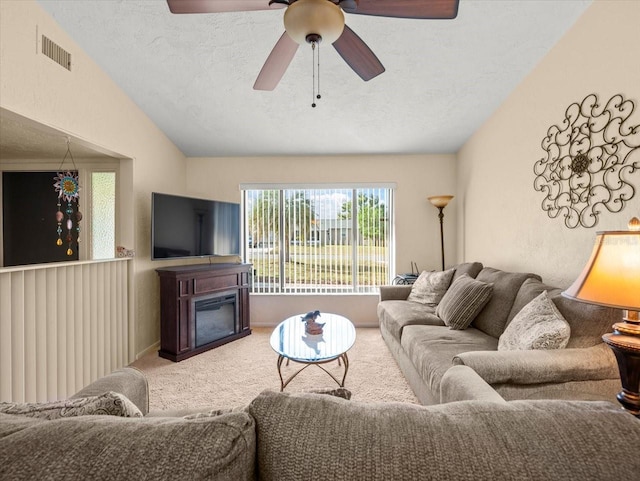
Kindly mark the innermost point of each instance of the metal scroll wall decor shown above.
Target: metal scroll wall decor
(68, 188)
(589, 158)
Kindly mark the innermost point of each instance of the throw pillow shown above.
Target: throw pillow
(463, 301)
(429, 287)
(108, 448)
(213, 413)
(539, 325)
(342, 392)
(109, 403)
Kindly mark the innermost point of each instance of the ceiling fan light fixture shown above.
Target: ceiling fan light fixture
(314, 17)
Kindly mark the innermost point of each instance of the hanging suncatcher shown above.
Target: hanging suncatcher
(67, 186)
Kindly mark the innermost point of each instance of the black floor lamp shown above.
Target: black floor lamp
(441, 201)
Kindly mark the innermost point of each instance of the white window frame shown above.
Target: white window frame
(280, 287)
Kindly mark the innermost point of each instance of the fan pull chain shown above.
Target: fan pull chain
(318, 95)
(313, 68)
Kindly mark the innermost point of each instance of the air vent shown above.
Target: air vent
(56, 53)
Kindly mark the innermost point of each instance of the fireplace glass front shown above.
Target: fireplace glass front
(216, 317)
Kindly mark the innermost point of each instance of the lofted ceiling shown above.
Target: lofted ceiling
(193, 74)
(24, 139)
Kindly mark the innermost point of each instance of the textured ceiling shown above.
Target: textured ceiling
(193, 74)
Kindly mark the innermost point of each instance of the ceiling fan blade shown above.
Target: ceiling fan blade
(443, 9)
(276, 64)
(218, 6)
(358, 55)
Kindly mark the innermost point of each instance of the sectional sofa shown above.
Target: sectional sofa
(478, 435)
(426, 348)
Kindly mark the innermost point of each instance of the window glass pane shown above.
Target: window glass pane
(103, 214)
(318, 239)
(373, 252)
(262, 225)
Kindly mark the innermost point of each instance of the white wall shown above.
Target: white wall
(86, 104)
(416, 220)
(501, 222)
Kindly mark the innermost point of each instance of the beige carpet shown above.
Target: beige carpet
(233, 374)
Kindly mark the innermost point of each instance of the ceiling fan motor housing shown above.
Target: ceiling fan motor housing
(305, 18)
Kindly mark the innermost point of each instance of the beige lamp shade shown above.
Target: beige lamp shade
(612, 275)
(319, 17)
(440, 200)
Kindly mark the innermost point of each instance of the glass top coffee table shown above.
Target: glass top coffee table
(292, 343)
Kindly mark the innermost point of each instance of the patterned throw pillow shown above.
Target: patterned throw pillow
(214, 413)
(463, 302)
(538, 325)
(429, 287)
(109, 403)
(342, 392)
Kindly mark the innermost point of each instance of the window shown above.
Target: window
(318, 239)
(29, 234)
(103, 215)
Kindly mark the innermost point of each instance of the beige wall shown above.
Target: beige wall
(416, 221)
(87, 105)
(501, 222)
(495, 217)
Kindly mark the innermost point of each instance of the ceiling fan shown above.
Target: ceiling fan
(313, 21)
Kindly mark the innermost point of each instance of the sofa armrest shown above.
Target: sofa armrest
(395, 293)
(128, 381)
(542, 366)
(461, 383)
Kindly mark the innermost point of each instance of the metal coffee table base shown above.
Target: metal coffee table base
(342, 357)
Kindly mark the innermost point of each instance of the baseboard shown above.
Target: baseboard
(156, 346)
(153, 347)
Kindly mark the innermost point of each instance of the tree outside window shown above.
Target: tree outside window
(314, 241)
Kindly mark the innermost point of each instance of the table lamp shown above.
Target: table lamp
(612, 278)
(440, 201)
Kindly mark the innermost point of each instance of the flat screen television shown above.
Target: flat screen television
(184, 227)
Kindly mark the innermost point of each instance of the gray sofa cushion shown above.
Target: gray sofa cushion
(432, 349)
(463, 301)
(588, 322)
(110, 448)
(128, 381)
(529, 290)
(493, 318)
(303, 437)
(538, 366)
(395, 315)
(106, 404)
(395, 293)
(472, 269)
(585, 390)
(461, 383)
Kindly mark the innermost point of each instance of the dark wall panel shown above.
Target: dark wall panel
(29, 220)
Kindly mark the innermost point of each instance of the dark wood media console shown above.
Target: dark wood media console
(182, 288)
